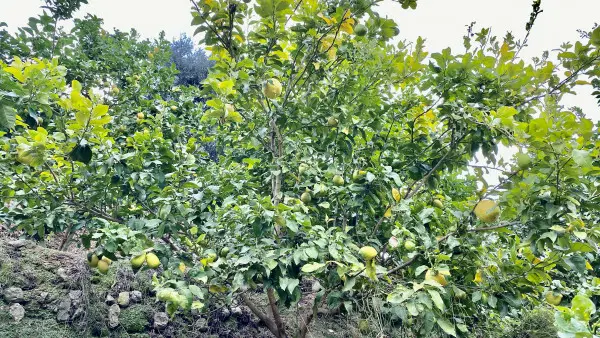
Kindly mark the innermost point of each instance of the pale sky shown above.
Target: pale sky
(441, 22)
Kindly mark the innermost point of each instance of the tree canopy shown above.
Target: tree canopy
(342, 161)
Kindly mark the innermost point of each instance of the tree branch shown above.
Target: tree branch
(276, 316)
(261, 315)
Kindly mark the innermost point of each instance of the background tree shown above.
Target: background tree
(191, 62)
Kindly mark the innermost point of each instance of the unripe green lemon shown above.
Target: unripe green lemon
(305, 197)
(93, 260)
(360, 30)
(338, 180)
(438, 204)
(138, 261)
(553, 298)
(332, 121)
(523, 160)
(409, 245)
(224, 251)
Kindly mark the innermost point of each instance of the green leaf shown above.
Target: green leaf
(583, 307)
(437, 299)
(196, 291)
(576, 262)
(312, 252)
(582, 158)
(8, 117)
(312, 267)
(447, 326)
(595, 37)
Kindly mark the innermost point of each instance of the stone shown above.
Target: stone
(78, 313)
(110, 300)
(75, 297)
(135, 296)
(62, 274)
(201, 324)
(113, 316)
(43, 297)
(224, 314)
(14, 295)
(161, 320)
(64, 310)
(17, 244)
(237, 311)
(123, 299)
(17, 312)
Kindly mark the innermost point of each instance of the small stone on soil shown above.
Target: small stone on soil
(113, 316)
(17, 312)
(136, 296)
(123, 299)
(14, 295)
(161, 319)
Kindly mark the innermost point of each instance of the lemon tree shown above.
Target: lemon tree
(343, 158)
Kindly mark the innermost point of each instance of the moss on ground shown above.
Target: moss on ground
(136, 318)
(28, 327)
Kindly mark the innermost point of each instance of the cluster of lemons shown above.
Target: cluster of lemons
(102, 263)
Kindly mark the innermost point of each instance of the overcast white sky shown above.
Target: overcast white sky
(441, 22)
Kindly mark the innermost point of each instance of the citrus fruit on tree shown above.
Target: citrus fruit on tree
(487, 211)
(367, 253)
(152, 261)
(553, 298)
(432, 275)
(360, 30)
(103, 266)
(138, 261)
(272, 88)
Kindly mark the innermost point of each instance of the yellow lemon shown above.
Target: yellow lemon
(487, 211)
(102, 267)
(152, 260)
(272, 88)
(368, 252)
(432, 275)
(138, 261)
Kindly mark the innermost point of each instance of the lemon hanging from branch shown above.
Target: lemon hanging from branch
(272, 88)
(487, 211)
(368, 253)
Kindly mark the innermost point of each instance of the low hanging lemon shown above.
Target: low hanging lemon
(487, 211)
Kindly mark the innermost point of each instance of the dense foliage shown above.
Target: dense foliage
(330, 137)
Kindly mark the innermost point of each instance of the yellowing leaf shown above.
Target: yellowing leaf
(396, 195)
(326, 19)
(181, 267)
(16, 73)
(233, 116)
(388, 213)
(217, 288)
(347, 26)
(478, 277)
(588, 266)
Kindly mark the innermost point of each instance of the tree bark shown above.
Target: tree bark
(276, 316)
(261, 315)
